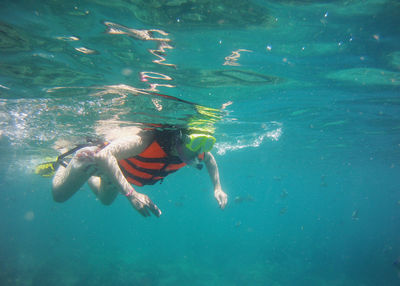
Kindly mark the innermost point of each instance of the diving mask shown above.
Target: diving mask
(199, 143)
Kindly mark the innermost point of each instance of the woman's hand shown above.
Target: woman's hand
(85, 158)
(221, 197)
(143, 204)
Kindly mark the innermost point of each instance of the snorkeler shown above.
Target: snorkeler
(139, 159)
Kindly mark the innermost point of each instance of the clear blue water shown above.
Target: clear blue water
(308, 144)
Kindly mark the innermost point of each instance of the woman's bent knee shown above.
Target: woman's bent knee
(59, 197)
(107, 202)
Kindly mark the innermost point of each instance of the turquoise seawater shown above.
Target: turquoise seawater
(308, 144)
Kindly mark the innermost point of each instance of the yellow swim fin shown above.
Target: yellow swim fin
(46, 169)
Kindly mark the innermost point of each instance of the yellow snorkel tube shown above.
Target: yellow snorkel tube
(46, 169)
(200, 128)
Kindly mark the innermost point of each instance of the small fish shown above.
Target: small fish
(396, 264)
(247, 198)
(354, 215)
(323, 181)
(179, 204)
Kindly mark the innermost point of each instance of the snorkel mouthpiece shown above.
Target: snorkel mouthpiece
(198, 165)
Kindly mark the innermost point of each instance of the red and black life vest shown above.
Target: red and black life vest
(150, 166)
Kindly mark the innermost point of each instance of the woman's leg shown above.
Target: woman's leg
(67, 181)
(104, 190)
(108, 157)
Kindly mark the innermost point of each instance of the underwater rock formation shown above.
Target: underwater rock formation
(184, 13)
(12, 39)
(225, 77)
(367, 76)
